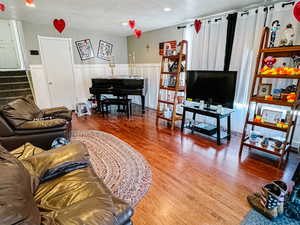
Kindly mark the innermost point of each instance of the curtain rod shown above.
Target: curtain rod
(245, 10)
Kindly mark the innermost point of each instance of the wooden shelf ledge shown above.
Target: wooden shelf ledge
(166, 102)
(273, 102)
(282, 49)
(181, 88)
(268, 149)
(268, 125)
(278, 76)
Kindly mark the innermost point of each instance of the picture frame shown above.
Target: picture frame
(85, 49)
(104, 50)
(264, 90)
(272, 115)
(167, 48)
(83, 109)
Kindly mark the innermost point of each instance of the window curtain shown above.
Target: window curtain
(207, 48)
(248, 32)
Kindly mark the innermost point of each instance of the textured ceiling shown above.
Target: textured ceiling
(107, 15)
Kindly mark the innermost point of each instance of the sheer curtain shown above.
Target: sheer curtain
(207, 48)
(248, 32)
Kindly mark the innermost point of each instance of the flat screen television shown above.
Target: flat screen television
(214, 87)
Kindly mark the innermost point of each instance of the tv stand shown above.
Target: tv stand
(210, 109)
(208, 129)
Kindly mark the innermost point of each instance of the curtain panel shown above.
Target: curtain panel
(207, 48)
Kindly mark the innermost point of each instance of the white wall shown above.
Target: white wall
(152, 39)
(31, 31)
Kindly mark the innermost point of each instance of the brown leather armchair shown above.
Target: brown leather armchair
(76, 198)
(22, 121)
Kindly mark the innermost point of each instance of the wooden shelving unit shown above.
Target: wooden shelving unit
(181, 59)
(264, 51)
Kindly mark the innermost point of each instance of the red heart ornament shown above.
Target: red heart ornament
(2, 7)
(131, 23)
(138, 33)
(297, 11)
(197, 25)
(59, 25)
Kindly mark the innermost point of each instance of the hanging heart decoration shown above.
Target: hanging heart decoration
(297, 11)
(131, 23)
(59, 25)
(2, 7)
(197, 25)
(138, 33)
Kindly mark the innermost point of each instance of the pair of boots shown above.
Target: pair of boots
(270, 202)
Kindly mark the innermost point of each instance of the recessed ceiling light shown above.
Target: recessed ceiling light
(32, 5)
(167, 9)
(125, 24)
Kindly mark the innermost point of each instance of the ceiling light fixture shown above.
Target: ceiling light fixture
(30, 3)
(167, 9)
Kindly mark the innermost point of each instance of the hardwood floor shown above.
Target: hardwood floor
(195, 181)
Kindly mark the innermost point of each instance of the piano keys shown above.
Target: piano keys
(118, 86)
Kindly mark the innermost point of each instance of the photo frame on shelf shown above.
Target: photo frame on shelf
(264, 90)
(85, 49)
(104, 50)
(272, 115)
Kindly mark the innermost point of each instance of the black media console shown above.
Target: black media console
(208, 129)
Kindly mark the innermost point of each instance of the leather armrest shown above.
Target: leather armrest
(40, 163)
(53, 111)
(42, 124)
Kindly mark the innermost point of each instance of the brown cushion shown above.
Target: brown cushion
(75, 151)
(19, 111)
(42, 124)
(16, 194)
(26, 151)
(55, 110)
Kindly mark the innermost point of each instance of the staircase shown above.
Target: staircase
(13, 84)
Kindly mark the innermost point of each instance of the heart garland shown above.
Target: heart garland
(131, 23)
(197, 25)
(138, 33)
(297, 11)
(59, 25)
(2, 7)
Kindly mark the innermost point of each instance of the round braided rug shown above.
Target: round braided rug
(123, 169)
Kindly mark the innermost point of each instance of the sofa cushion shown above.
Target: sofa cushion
(76, 198)
(55, 110)
(42, 124)
(16, 194)
(26, 151)
(19, 111)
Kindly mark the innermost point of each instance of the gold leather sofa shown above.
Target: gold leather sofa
(76, 198)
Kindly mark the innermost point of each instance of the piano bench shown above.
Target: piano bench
(126, 103)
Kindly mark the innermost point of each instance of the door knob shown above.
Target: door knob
(50, 83)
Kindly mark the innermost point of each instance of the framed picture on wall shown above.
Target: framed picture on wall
(104, 50)
(85, 49)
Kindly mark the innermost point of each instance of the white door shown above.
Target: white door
(8, 47)
(57, 59)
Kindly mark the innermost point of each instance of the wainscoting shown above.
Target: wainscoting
(84, 73)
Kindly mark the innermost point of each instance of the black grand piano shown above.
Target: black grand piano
(118, 86)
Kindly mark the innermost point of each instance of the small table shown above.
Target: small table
(226, 113)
